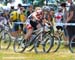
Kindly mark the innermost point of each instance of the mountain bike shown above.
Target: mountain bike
(6, 37)
(18, 43)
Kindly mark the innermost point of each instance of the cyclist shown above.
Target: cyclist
(33, 22)
(51, 16)
(17, 17)
(14, 18)
(47, 17)
(45, 13)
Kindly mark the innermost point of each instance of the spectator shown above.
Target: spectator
(59, 18)
(66, 38)
(71, 19)
(30, 10)
(19, 6)
(63, 5)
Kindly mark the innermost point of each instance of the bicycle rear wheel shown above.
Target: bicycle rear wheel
(72, 44)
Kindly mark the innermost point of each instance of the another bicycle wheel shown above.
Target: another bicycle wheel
(72, 44)
(18, 48)
(56, 44)
(47, 38)
(38, 47)
(5, 40)
(18, 45)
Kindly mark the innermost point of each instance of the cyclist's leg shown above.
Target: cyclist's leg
(28, 34)
(21, 25)
(30, 27)
(15, 30)
(29, 31)
(20, 29)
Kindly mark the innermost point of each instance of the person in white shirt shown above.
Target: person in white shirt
(59, 19)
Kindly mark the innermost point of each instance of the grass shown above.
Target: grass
(62, 54)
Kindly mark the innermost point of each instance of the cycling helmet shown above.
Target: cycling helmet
(45, 8)
(60, 9)
(5, 9)
(51, 9)
(37, 14)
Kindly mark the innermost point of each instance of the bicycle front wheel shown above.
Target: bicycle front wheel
(47, 38)
(18, 46)
(38, 47)
(5, 40)
(56, 44)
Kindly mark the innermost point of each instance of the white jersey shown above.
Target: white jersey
(3, 21)
(30, 17)
(34, 16)
(58, 17)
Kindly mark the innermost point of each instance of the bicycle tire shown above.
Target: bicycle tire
(48, 41)
(56, 44)
(17, 50)
(37, 43)
(5, 40)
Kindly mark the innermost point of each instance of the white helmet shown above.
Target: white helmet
(5, 9)
(46, 8)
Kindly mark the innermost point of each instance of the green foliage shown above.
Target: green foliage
(62, 0)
